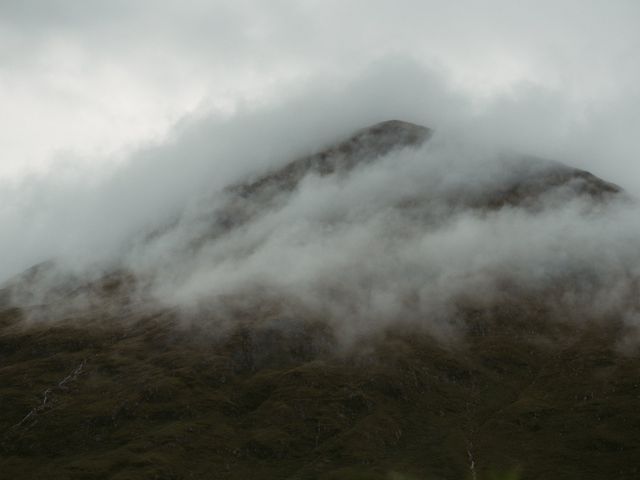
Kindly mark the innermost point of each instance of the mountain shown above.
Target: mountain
(103, 377)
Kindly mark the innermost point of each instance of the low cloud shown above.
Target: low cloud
(405, 238)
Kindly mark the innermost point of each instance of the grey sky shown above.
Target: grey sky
(89, 78)
(113, 113)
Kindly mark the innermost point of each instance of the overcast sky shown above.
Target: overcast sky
(114, 112)
(87, 81)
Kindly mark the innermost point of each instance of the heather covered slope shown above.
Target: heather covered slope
(380, 358)
(149, 399)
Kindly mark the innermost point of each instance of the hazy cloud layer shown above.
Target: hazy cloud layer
(123, 118)
(87, 81)
(402, 240)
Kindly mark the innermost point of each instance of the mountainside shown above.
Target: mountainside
(321, 321)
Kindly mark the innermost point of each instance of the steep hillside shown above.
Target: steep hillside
(99, 378)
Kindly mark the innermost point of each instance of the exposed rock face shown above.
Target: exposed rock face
(110, 389)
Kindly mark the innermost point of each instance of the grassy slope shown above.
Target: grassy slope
(153, 400)
(143, 398)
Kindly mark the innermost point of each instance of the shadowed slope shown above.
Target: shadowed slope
(266, 389)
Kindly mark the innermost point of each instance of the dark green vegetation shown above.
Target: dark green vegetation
(98, 381)
(148, 398)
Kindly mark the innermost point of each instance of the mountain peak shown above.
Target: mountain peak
(363, 146)
(341, 332)
(404, 133)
